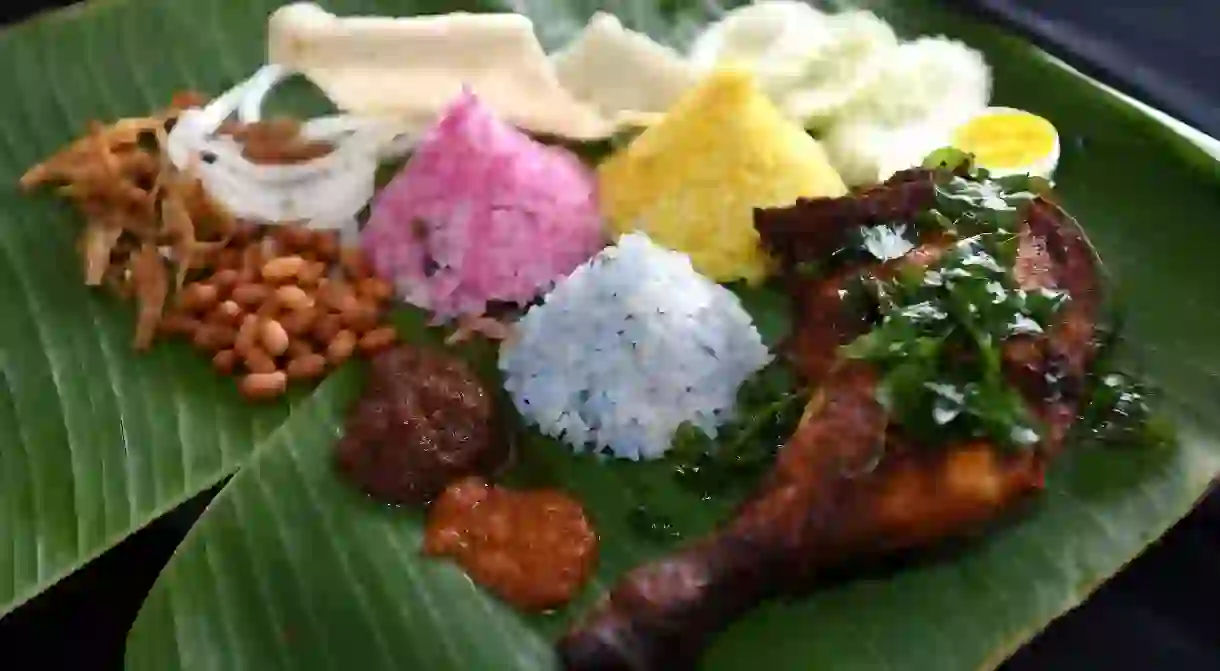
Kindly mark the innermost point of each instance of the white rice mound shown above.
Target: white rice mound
(628, 347)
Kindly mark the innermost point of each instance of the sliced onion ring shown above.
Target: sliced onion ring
(327, 192)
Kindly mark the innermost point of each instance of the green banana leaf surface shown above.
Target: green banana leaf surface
(289, 568)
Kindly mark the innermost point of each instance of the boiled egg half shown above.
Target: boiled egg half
(1008, 141)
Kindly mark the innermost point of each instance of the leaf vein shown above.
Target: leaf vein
(293, 554)
(250, 554)
(29, 298)
(324, 514)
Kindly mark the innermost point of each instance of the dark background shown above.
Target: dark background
(1158, 614)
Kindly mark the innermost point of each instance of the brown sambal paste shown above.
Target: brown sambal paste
(424, 421)
(534, 549)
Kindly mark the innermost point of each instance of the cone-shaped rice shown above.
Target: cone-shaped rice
(627, 348)
(482, 213)
(693, 180)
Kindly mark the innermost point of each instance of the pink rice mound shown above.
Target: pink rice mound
(482, 213)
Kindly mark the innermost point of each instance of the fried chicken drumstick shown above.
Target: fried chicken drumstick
(848, 484)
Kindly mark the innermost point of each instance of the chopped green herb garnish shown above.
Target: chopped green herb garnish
(887, 243)
(969, 201)
(869, 244)
(969, 207)
(948, 158)
(769, 405)
(938, 344)
(1117, 409)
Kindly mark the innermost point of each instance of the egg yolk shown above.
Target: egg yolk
(1006, 139)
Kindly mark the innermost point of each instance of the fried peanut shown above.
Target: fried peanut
(247, 335)
(299, 322)
(361, 316)
(341, 348)
(306, 367)
(258, 361)
(326, 328)
(283, 269)
(292, 297)
(227, 313)
(197, 297)
(375, 289)
(261, 386)
(273, 337)
(355, 264)
(377, 339)
(251, 295)
(213, 337)
(225, 361)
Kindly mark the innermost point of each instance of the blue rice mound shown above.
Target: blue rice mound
(627, 348)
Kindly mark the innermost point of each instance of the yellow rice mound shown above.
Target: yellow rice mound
(692, 181)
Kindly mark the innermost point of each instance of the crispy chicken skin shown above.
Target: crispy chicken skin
(846, 485)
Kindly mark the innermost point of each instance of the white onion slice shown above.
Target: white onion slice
(331, 128)
(250, 107)
(325, 193)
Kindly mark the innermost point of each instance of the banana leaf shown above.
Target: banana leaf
(290, 569)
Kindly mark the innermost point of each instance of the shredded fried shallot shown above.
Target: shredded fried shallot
(489, 327)
(148, 276)
(135, 204)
